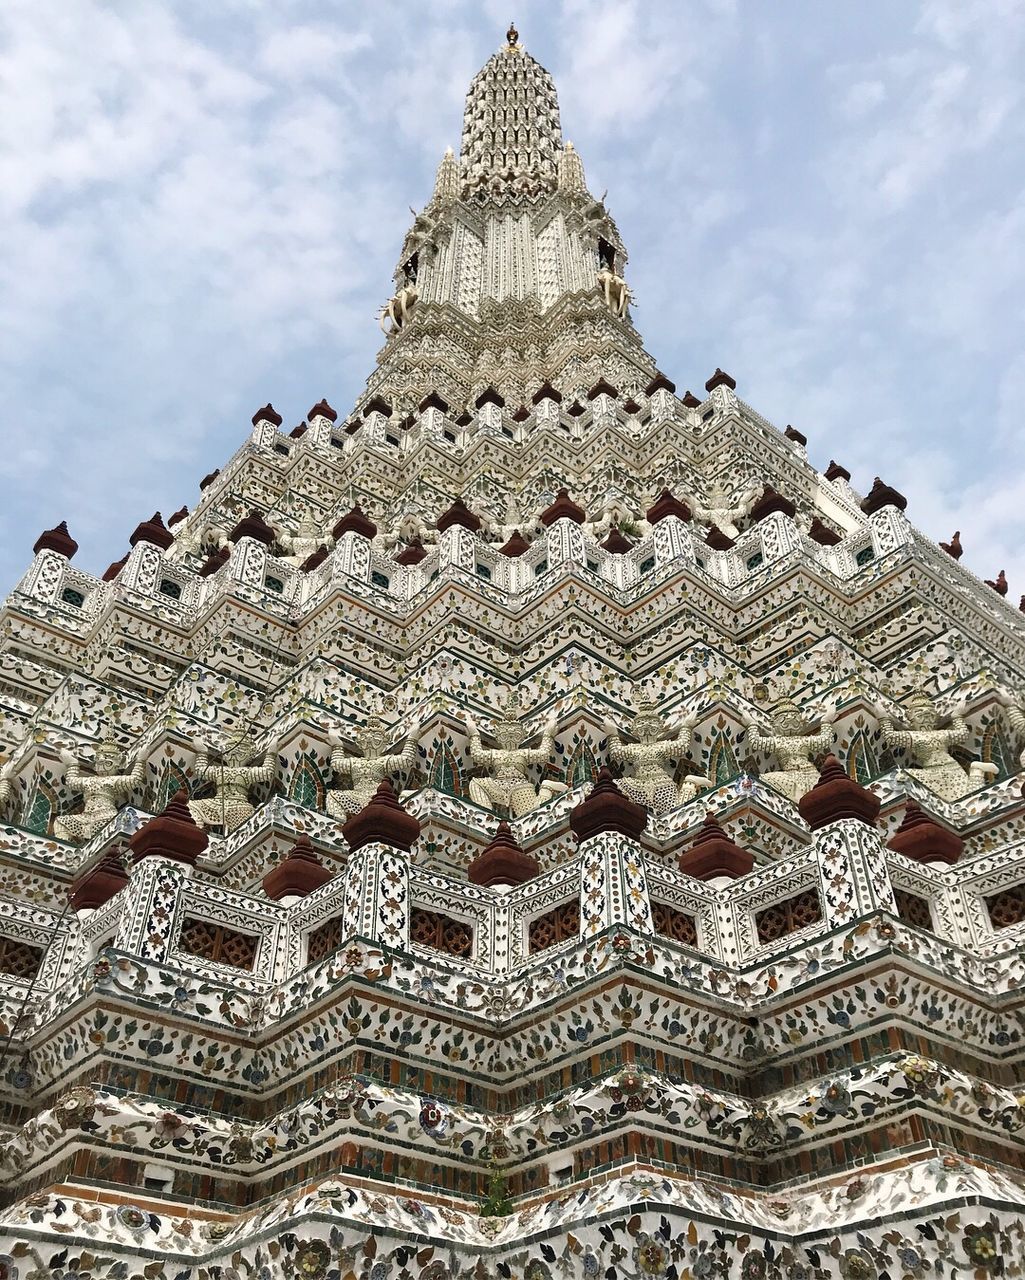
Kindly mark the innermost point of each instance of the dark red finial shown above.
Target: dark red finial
(355, 521)
(882, 495)
(667, 504)
(253, 526)
(322, 410)
(563, 508)
(503, 861)
(171, 834)
(516, 545)
(920, 837)
(720, 379)
(835, 796)
(606, 808)
(382, 821)
(712, 853)
(56, 539)
(298, 874)
(267, 414)
(95, 888)
(152, 531)
(458, 514)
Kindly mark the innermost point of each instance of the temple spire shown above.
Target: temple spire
(446, 183)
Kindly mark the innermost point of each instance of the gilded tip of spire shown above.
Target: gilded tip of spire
(570, 146)
(449, 152)
(512, 35)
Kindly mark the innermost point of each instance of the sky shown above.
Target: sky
(201, 206)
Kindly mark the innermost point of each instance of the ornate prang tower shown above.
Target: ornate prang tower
(535, 825)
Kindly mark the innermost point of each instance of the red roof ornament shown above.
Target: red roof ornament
(209, 478)
(720, 379)
(616, 543)
(112, 570)
(823, 534)
(489, 396)
(667, 504)
(214, 561)
(56, 539)
(503, 862)
(602, 388)
(922, 838)
(712, 853)
(999, 585)
(267, 414)
(835, 796)
(412, 553)
(299, 431)
(177, 517)
(171, 834)
(563, 508)
(458, 514)
(606, 808)
(152, 531)
(95, 888)
(298, 874)
(253, 526)
(314, 560)
(690, 400)
(953, 548)
(322, 410)
(355, 520)
(717, 540)
(521, 414)
(516, 545)
(769, 502)
(382, 821)
(792, 433)
(835, 472)
(882, 495)
(660, 383)
(377, 404)
(546, 392)
(432, 400)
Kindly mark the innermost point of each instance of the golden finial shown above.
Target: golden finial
(512, 35)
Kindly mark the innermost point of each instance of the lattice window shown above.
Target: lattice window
(440, 932)
(324, 940)
(558, 925)
(42, 809)
(1007, 907)
(913, 909)
(170, 588)
(19, 959)
(307, 784)
(673, 923)
(75, 598)
(217, 943)
(788, 916)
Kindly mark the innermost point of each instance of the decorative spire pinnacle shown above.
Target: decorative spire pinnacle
(512, 35)
(571, 171)
(446, 182)
(172, 834)
(712, 854)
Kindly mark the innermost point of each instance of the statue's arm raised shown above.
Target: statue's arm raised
(618, 753)
(404, 760)
(479, 754)
(958, 731)
(542, 753)
(755, 739)
(895, 737)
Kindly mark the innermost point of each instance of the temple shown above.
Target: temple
(530, 823)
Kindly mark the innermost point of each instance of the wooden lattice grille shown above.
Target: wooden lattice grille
(324, 940)
(558, 925)
(19, 959)
(913, 909)
(217, 943)
(440, 932)
(1007, 907)
(675, 924)
(788, 916)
